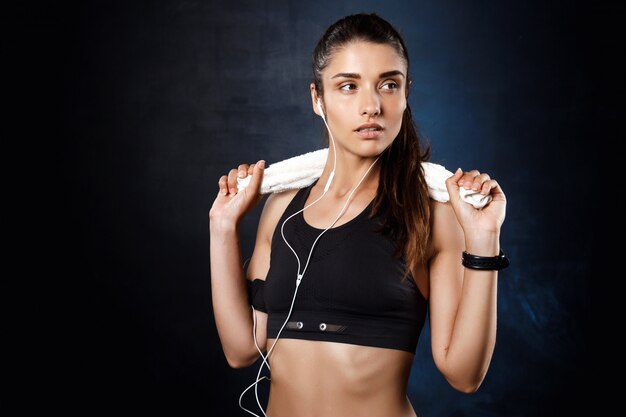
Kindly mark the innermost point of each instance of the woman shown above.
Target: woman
(394, 252)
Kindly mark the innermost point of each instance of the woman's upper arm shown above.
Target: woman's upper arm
(273, 209)
(445, 278)
(259, 264)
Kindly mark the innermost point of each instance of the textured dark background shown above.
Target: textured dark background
(134, 109)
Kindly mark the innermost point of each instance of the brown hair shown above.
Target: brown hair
(402, 197)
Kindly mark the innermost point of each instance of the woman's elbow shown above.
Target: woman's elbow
(241, 361)
(237, 363)
(234, 363)
(465, 382)
(467, 386)
(462, 380)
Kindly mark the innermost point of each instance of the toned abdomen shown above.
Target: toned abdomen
(327, 379)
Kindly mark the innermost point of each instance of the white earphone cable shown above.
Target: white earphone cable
(300, 275)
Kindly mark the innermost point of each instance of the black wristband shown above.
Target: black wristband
(493, 263)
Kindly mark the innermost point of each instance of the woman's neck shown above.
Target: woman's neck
(349, 171)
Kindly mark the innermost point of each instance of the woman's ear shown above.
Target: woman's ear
(314, 98)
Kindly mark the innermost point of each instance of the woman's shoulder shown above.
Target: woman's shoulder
(276, 203)
(273, 209)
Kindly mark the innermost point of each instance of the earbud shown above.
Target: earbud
(332, 174)
(319, 107)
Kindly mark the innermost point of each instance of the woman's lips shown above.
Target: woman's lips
(368, 133)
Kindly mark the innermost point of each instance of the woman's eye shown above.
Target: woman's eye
(394, 85)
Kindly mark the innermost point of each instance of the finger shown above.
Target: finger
(495, 188)
(479, 180)
(251, 169)
(223, 184)
(232, 181)
(452, 185)
(257, 176)
(468, 178)
(242, 170)
(486, 187)
(497, 193)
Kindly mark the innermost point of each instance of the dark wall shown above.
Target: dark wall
(148, 103)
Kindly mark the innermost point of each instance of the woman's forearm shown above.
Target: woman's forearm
(474, 334)
(229, 294)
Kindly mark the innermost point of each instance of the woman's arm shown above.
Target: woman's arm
(463, 301)
(229, 294)
(233, 315)
(229, 289)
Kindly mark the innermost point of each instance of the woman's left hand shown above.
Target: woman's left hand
(487, 219)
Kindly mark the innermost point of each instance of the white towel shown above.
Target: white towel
(302, 170)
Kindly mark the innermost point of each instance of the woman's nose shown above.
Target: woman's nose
(370, 105)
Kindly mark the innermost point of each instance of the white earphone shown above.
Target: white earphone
(300, 274)
(332, 173)
(319, 107)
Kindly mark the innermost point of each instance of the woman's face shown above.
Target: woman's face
(364, 83)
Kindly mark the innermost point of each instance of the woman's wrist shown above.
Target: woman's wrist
(221, 226)
(483, 243)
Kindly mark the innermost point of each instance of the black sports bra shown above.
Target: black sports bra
(352, 290)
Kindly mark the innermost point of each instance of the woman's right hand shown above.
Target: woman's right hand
(231, 206)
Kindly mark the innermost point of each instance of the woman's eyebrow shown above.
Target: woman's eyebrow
(358, 76)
